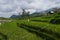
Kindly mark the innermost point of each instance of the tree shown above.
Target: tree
(28, 14)
(25, 14)
(56, 10)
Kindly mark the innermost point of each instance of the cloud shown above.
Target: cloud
(11, 7)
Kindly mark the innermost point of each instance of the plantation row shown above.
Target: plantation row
(53, 27)
(42, 32)
(52, 31)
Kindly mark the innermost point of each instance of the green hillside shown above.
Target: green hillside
(13, 32)
(32, 28)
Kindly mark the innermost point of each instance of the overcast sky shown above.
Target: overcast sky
(10, 7)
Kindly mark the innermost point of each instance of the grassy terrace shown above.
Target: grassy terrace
(53, 27)
(37, 28)
(52, 30)
(10, 31)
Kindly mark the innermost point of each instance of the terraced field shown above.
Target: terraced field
(10, 31)
(34, 29)
(44, 30)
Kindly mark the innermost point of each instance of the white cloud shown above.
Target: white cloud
(14, 6)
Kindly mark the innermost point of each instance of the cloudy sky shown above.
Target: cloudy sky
(10, 7)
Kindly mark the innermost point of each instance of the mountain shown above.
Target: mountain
(14, 16)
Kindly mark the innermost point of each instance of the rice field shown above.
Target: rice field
(30, 30)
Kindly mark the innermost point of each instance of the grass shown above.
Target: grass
(53, 27)
(13, 32)
(32, 30)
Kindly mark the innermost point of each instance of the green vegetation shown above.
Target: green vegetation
(45, 27)
(13, 32)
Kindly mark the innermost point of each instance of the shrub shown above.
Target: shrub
(55, 21)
